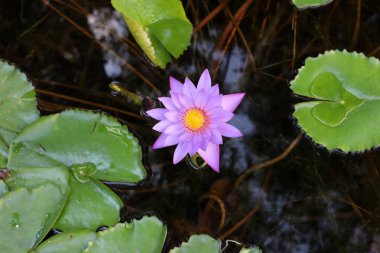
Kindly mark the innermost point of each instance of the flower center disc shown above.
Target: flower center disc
(194, 119)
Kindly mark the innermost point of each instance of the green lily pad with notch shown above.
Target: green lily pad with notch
(345, 88)
(27, 215)
(301, 4)
(77, 137)
(199, 244)
(74, 242)
(146, 235)
(160, 27)
(90, 205)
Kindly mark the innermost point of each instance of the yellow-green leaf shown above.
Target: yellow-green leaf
(160, 27)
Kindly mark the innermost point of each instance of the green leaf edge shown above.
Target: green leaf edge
(159, 56)
(187, 247)
(128, 226)
(308, 5)
(30, 85)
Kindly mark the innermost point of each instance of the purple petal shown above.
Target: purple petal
(174, 129)
(229, 130)
(168, 103)
(214, 101)
(189, 88)
(158, 113)
(204, 144)
(175, 85)
(176, 102)
(173, 116)
(184, 100)
(204, 81)
(214, 112)
(216, 137)
(206, 136)
(165, 140)
(162, 125)
(231, 101)
(225, 116)
(186, 136)
(211, 156)
(180, 152)
(200, 99)
(195, 144)
(214, 90)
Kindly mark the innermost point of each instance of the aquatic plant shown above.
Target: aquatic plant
(345, 92)
(195, 119)
(160, 27)
(206, 244)
(301, 4)
(50, 178)
(18, 106)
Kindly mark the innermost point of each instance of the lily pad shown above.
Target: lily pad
(7, 136)
(73, 242)
(251, 250)
(3, 188)
(146, 235)
(3, 154)
(34, 177)
(18, 105)
(345, 88)
(77, 137)
(23, 226)
(199, 244)
(160, 27)
(90, 205)
(300, 4)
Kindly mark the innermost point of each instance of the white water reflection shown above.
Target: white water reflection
(109, 28)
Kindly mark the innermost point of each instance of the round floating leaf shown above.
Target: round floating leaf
(300, 4)
(27, 215)
(146, 235)
(18, 105)
(251, 250)
(199, 244)
(346, 91)
(73, 242)
(160, 27)
(90, 205)
(77, 137)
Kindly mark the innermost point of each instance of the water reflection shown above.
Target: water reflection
(109, 28)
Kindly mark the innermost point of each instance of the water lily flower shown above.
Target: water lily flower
(195, 119)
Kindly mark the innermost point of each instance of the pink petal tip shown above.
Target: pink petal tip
(175, 85)
(231, 101)
(211, 156)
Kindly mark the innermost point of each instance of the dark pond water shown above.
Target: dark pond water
(311, 201)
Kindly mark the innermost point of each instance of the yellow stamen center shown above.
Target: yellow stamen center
(194, 119)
